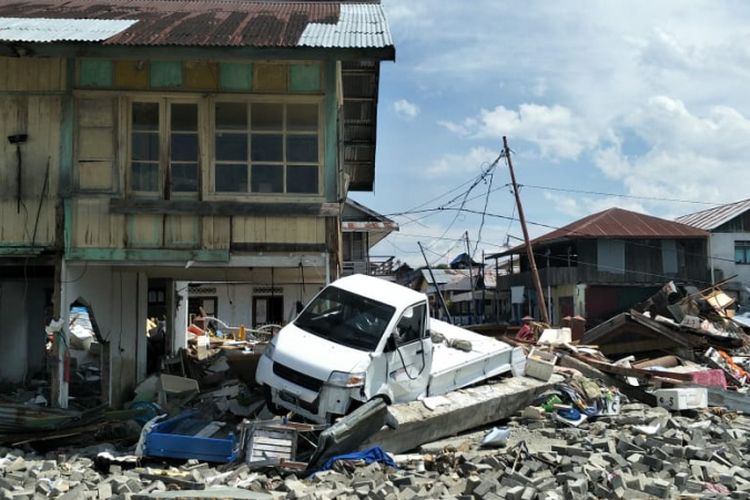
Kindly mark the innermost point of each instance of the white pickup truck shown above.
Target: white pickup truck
(363, 337)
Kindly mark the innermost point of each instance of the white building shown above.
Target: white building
(729, 246)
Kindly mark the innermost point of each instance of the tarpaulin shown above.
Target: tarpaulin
(370, 455)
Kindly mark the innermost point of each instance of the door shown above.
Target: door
(409, 359)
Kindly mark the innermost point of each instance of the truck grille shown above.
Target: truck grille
(298, 378)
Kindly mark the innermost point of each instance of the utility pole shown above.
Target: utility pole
(471, 278)
(437, 287)
(529, 251)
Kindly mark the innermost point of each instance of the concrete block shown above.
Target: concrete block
(485, 487)
(104, 490)
(515, 493)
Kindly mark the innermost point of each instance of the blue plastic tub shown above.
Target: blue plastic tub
(175, 438)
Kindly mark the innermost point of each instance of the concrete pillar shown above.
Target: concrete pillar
(179, 339)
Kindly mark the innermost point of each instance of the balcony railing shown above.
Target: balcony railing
(374, 266)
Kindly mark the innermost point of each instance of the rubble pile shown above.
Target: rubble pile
(642, 452)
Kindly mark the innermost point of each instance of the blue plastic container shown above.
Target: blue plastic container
(175, 438)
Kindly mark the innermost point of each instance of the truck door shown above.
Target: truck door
(409, 357)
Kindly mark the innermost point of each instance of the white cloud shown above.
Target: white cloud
(553, 129)
(688, 155)
(472, 161)
(406, 109)
(567, 205)
(644, 98)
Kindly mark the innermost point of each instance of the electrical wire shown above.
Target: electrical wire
(569, 232)
(616, 268)
(484, 213)
(618, 195)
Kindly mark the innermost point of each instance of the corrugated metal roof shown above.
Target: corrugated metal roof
(224, 23)
(359, 25)
(15, 29)
(712, 218)
(617, 223)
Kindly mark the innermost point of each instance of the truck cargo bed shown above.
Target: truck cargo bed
(454, 368)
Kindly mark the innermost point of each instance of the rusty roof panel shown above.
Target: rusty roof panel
(712, 218)
(617, 223)
(224, 23)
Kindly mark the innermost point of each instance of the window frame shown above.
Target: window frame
(248, 101)
(164, 132)
(425, 331)
(745, 245)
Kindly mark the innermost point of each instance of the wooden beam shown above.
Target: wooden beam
(147, 254)
(210, 53)
(220, 208)
(278, 247)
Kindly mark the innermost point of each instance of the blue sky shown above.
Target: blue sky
(641, 98)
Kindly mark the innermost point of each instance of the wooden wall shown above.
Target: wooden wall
(25, 109)
(33, 97)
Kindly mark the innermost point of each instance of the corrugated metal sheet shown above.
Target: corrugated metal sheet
(359, 25)
(714, 217)
(224, 23)
(617, 223)
(15, 29)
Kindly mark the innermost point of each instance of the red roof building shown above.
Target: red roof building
(606, 262)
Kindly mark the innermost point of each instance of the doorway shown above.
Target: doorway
(268, 310)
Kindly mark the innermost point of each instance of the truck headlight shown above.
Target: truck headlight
(346, 379)
(270, 348)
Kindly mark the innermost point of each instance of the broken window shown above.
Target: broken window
(266, 148)
(164, 126)
(742, 252)
(411, 325)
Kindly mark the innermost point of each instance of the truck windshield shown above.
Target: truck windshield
(346, 318)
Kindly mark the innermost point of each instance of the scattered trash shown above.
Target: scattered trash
(497, 436)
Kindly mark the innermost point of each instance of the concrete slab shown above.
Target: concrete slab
(466, 409)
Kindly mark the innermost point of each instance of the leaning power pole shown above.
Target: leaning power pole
(437, 287)
(529, 251)
(471, 279)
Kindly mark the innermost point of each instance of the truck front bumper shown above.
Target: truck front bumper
(317, 407)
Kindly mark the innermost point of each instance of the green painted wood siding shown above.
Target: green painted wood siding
(166, 74)
(304, 78)
(235, 76)
(95, 73)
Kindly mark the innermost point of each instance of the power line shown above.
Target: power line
(572, 190)
(464, 196)
(484, 212)
(616, 268)
(618, 195)
(569, 231)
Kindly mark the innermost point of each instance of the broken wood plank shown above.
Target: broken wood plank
(589, 371)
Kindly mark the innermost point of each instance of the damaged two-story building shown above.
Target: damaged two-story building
(603, 264)
(151, 148)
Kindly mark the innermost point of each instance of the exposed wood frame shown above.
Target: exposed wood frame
(278, 247)
(220, 208)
